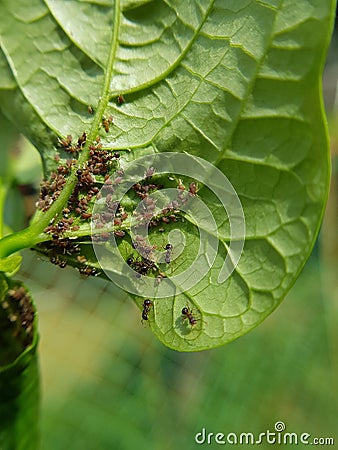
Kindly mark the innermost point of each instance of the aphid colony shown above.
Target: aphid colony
(93, 175)
(70, 147)
(19, 314)
(99, 164)
(113, 215)
(171, 211)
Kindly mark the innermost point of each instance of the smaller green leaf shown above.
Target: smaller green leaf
(10, 264)
(19, 368)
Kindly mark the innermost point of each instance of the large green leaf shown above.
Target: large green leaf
(235, 82)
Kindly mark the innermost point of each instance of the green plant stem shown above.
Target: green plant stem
(34, 233)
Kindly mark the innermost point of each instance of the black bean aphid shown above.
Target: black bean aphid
(120, 100)
(193, 188)
(65, 143)
(149, 172)
(119, 233)
(82, 140)
(88, 271)
(160, 277)
(107, 122)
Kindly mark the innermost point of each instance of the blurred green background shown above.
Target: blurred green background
(108, 384)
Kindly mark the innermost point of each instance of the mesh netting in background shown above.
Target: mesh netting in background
(109, 384)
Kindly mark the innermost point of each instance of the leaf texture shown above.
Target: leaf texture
(235, 82)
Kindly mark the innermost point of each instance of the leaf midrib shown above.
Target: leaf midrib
(34, 233)
(102, 104)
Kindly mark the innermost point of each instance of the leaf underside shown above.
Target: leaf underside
(236, 82)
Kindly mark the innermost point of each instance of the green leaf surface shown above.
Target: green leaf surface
(10, 264)
(235, 82)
